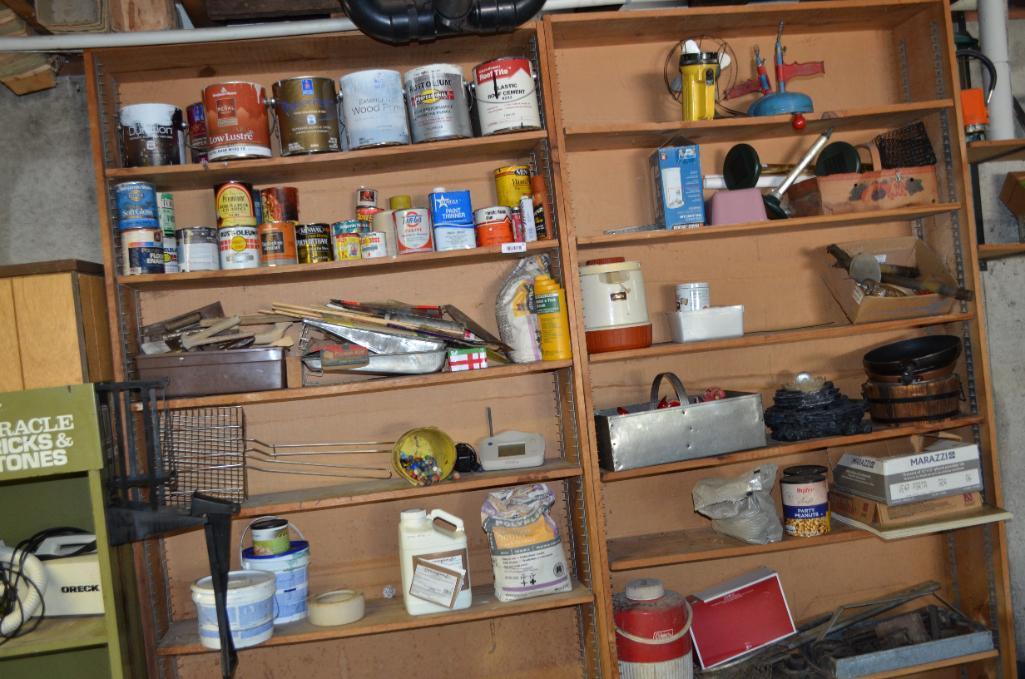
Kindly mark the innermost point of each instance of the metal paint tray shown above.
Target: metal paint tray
(648, 435)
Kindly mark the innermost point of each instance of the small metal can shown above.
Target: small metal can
(239, 247)
(413, 231)
(805, 495)
(197, 131)
(136, 206)
(512, 182)
(494, 225)
(170, 254)
(235, 204)
(313, 243)
(198, 249)
(277, 243)
(142, 252)
(692, 296)
(373, 245)
(345, 239)
(365, 217)
(366, 197)
(279, 204)
(165, 211)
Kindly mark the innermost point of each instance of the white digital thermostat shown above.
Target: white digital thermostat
(510, 449)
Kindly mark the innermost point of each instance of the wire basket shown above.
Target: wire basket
(207, 446)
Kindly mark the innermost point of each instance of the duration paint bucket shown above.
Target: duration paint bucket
(306, 108)
(250, 608)
(279, 204)
(652, 625)
(239, 247)
(290, 574)
(142, 252)
(136, 206)
(236, 121)
(436, 97)
(277, 243)
(152, 134)
(235, 204)
(373, 109)
(198, 249)
(505, 93)
(197, 131)
(165, 211)
(313, 243)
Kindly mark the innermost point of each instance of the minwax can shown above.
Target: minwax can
(313, 243)
(512, 182)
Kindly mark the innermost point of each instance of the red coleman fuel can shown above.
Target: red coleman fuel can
(652, 632)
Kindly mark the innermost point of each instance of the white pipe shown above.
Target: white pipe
(993, 38)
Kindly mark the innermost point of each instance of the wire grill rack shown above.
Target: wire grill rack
(207, 446)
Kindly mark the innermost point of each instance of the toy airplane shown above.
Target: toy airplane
(781, 101)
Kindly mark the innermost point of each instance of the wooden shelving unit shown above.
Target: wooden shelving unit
(995, 150)
(1000, 250)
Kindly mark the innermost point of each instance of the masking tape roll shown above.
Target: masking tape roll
(339, 607)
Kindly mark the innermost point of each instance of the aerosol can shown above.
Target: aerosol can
(699, 72)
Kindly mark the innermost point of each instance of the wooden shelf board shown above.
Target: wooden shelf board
(937, 665)
(760, 339)
(370, 386)
(997, 149)
(748, 228)
(978, 517)
(331, 165)
(368, 492)
(881, 433)
(327, 270)
(58, 634)
(704, 544)
(605, 136)
(999, 250)
(382, 616)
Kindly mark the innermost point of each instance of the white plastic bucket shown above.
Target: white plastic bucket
(290, 570)
(250, 608)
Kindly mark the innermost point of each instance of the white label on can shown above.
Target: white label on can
(373, 110)
(506, 96)
(373, 245)
(413, 230)
(198, 257)
(455, 238)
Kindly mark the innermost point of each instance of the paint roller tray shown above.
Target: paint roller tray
(227, 371)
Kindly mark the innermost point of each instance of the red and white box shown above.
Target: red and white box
(739, 616)
(467, 359)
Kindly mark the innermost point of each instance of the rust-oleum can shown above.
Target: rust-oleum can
(313, 243)
(436, 97)
(235, 204)
(307, 112)
(239, 247)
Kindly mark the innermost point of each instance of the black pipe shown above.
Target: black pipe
(403, 21)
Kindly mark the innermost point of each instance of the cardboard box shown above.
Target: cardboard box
(739, 616)
(947, 468)
(905, 250)
(881, 515)
(864, 191)
(1013, 193)
(679, 188)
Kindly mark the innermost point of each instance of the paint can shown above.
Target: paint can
(373, 244)
(345, 239)
(493, 225)
(142, 252)
(452, 220)
(239, 247)
(198, 249)
(165, 212)
(505, 94)
(373, 109)
(306, 108)
(805, 494)
(152, 134)
(692, 296)
(313, 243)
(234, 203)
(366, 197)
(365, 217)
(136, 206)
(384, 223)
(413, 231)
(236, 121)
(512, 182)
(277, 243)
(250, 608)
(290, 569)
(270, 536)
(436, 97)
(197, 142)
(279, 204)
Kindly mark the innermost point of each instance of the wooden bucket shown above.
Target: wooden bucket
(893, 403)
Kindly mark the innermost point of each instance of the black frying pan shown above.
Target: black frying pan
(913, 356)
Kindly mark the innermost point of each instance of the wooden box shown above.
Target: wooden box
(864, 191)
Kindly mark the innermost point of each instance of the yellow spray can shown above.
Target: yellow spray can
(550, 305)
(698, 72)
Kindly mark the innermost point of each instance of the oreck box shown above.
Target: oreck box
(679, 194)
(947, 468)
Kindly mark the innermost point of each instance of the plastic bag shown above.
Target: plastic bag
(517, 323)
(741, 506)
(526, 549)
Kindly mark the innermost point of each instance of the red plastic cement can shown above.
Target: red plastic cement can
(652, 632)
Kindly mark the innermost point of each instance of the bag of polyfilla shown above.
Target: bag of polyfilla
(526, 549)
(517, 322)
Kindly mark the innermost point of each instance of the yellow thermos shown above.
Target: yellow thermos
(550, 305)
(698, 72)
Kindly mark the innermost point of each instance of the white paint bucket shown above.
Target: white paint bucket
(505, 92)
(436, 97)
(291, 579)
(250, 609)
(373, 110)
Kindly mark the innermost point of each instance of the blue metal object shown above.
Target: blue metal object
(777, 103)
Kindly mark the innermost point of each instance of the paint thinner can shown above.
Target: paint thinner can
(452, 220)
(306, 108)
(136, 206)
(805, 495)
(512, 182)
(239, 247)
(197, 131)
(279, 204)
(313, 243)
(198, 249)
(277, 244)
(142, 251)
(235, 204)
(165, 211)
(152, 134)
(505, 94)
(373, 109)
(345, 239)
(413, 231)
(373, 244)
(493, 225)
(436, 97)
(236, 121)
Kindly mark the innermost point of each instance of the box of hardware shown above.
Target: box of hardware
(881, 515)
(679, 194)
(945, 468)
(227, 371)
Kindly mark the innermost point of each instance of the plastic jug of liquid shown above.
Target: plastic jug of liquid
(439, 538)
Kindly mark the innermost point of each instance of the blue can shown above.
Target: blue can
(137, 206)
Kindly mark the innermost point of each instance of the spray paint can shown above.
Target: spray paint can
(413, 231)
(527, 219)
(239, 247)
(197, 132)
(313, 243)
(373, 109)
(512, 182)
(543, 222)
(436, 97)
(279, 204)
(165, 211)
(198, 249)
(277, 243)
(306, 108)
(142, 252)
(505, 94)
(234, 203)
(136, 206)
